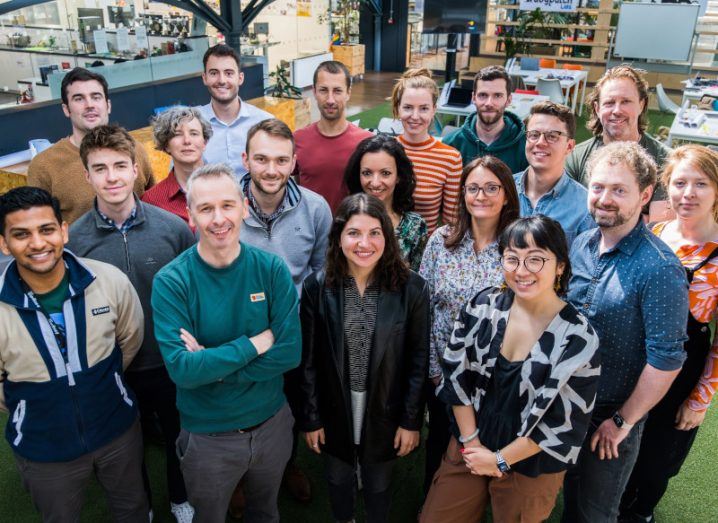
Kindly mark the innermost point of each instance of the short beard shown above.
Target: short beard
(334, 118)
(606, 221)
(494, 121)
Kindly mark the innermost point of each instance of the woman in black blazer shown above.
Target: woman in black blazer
(365, 333)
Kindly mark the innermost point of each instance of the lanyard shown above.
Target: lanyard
(57, 330)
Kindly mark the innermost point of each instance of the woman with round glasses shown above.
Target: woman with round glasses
(458, 262)
(520, 372)
(690, 176)
(437, 166)
(365, 338)
(379, 167)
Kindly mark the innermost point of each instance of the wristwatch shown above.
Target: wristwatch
(620, 422)
(501, 463)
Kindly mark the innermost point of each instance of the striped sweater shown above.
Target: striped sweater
(437, 167)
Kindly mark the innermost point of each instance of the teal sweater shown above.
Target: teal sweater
(227, 385)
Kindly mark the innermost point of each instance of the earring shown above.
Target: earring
(557, 284)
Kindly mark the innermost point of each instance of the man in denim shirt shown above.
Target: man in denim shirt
(544, 187)
(634, 292)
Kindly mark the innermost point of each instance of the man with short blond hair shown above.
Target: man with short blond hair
(618, 112)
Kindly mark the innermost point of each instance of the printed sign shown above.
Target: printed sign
(123, 39)
(564, 6)
(141, 37)
(100, 41)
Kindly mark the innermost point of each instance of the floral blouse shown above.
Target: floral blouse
(411, 235)
(454, 277)
(703, 304)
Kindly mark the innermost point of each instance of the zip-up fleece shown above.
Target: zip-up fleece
(156, 238)
(509, 147)
(299, 235)
(61, 408)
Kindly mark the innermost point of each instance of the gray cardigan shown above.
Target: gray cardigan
(155, 238)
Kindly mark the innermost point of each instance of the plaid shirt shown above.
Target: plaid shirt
(129, 222)
(267, 219)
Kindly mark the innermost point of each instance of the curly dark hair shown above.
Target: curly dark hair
(509, 212)
(391, 272)
(403, 199)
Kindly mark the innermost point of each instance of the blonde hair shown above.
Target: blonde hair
(413, 79)
(615, 73)
(699, 157)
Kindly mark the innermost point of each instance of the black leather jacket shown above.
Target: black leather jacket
(397, 369)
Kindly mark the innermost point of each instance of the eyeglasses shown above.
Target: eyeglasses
(490, 189)
(551, 136)
(533, 264)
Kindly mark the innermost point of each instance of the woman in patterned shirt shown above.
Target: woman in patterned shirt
(365, 351)
(380, 167)
(458, 262)
(437, 166)
(691, 178)
(520, 372)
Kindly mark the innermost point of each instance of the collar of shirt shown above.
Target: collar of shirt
(555, 191)
(173, 187)
(627, 245)
(265, 218)
(209, 113)
(129, 222)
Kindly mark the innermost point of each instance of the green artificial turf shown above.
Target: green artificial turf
(690, 497)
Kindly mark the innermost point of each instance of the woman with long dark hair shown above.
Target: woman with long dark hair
(365, 334)
(380, 167)
(521, 372)
(460, 260)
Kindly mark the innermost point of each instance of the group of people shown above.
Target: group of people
(333, 286)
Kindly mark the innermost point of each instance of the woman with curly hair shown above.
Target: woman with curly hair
(381, 168)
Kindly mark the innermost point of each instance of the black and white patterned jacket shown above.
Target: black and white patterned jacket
(559, 378)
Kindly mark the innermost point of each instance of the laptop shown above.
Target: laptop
(459, 97)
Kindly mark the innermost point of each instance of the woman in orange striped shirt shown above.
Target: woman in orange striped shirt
(437, 166)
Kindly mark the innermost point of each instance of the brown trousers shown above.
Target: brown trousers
(457, 496)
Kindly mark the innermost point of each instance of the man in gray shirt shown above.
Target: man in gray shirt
(139, 239)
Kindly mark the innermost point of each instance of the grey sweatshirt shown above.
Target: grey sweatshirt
(155, 238)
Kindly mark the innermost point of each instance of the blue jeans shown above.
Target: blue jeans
(593, 488)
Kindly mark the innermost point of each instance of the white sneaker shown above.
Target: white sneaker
(152, 515)
(183, 512)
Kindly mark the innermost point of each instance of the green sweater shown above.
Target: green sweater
(227, 385)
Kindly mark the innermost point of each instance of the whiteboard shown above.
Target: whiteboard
(656, 31)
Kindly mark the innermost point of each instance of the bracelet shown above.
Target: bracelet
(463, 439)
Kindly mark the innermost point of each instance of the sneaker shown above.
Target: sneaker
(183, 512)
(152, 515)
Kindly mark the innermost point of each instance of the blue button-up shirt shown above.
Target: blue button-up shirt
(635, 296)
(566, 203)
(229, 141)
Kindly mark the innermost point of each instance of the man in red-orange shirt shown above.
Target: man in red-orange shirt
(324, 147)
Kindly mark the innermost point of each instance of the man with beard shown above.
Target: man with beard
(59, 169)
(229, 115)
(287, 220)
(324, 147)
(634, 292)
(618, 107)
(492, 130)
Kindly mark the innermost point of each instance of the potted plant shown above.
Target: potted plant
(285, 101)
(345, 19)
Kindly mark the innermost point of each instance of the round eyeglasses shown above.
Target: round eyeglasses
(533, 264)
(551, 136)
(490, 189)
